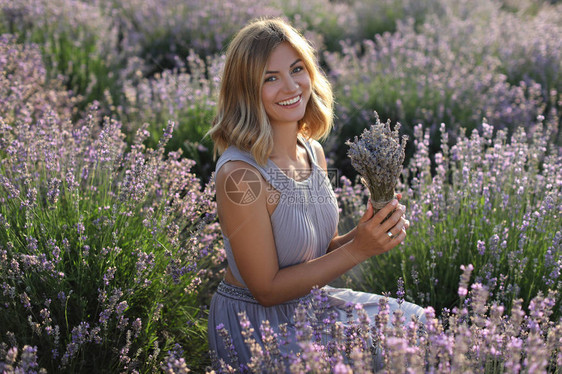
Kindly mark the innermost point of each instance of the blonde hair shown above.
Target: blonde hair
(241, 119)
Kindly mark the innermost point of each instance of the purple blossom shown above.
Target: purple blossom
(109, 275)
(467, 270)
(481, 247)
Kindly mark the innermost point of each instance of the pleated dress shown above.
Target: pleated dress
(304, 223)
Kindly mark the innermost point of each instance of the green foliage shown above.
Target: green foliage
(377, 17)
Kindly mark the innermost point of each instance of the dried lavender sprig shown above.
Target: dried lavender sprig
(378, 156)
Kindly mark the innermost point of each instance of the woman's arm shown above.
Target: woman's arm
(339, 240)
(248, 228)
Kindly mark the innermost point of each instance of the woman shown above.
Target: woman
(276, 206)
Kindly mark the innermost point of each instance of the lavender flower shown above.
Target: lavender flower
(465, 278)
(229, 344)
(256, 349)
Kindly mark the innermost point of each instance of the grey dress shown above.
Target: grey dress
(304, 222)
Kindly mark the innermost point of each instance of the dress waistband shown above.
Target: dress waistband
(244, 294)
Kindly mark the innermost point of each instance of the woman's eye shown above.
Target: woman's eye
(270, 79)
(298, 69)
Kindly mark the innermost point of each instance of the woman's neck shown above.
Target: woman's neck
(285, 143)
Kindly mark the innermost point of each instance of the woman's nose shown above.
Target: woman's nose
(291, 84)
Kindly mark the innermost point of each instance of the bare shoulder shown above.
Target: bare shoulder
(241, 182)
(238, 168)
(319, 152)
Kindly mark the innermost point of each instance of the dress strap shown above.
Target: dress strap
(234, 154)
(309, 148)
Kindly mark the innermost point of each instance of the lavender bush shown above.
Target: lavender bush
(99, 248)
(451, 69)
(79, 41)
(335, 21)
(185, 96)
(476, 336)
(325, 23)
(26, 93)
(378, 17)
(164, 30)
(493, 203)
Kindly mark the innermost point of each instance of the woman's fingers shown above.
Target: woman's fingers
(387, 217)
(384, 212)
(399, 238)
(401, 226)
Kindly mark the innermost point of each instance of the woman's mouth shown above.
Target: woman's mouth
(291, 101)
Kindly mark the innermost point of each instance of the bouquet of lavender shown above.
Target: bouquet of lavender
(378, 156)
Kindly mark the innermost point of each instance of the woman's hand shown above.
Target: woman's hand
(375, 235)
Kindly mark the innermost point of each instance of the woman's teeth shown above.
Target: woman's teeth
(290, 101)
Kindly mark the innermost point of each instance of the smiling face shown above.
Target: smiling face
(286, 87)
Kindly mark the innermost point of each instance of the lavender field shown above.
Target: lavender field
(110, 248)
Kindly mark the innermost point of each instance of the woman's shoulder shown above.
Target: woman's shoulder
(234, 154)
(240, 182)
(316, 146)
(238, 166)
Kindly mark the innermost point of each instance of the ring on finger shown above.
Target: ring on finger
(390, 235)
